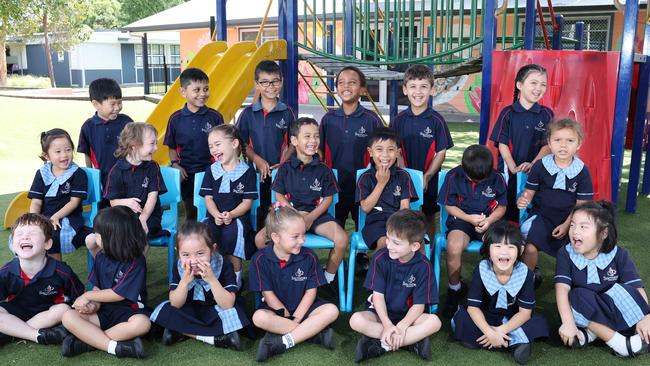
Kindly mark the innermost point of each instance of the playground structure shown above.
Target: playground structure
(454, 38)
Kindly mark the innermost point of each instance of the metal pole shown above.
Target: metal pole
(282, 34)
(430, 50)
(529, 31)
(557, 33)
(637, 141)
(165, 75)
(222, 27)
(213, 25)
(579, 34)
(394, 84)
(145, 64)
(291, 76)
(349, 27)
(489, 23)
(625, 69)
(330, 51)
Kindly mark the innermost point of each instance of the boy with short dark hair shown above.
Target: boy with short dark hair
(402, 285)
(187, 133)
(35, 289)
(425, 136)
(264, 127)
(99, 134)
(475, 197)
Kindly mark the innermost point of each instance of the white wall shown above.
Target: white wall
(96, 56)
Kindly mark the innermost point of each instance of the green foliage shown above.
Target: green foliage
(103, 14)
(65, 22)
(134, 10)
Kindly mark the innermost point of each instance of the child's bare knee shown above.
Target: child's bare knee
(357, 321)
(69, 316)
(331, 311)
(261, 318)
(433, 322)
(140, 323)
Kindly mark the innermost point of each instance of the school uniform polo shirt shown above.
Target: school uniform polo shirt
(75, 186)
(403, 284)
(288, 280)
(474, 198)
(99, 139)
(305, 185)
(228, 195)
(522, 130)
(399, 187)
(137, 181)
(127, 279)
(187, 133)
(266, 132)
(56, 283)
(423, 136)
(344, 140)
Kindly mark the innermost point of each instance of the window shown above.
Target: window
(250, 35)
(175, 54)
(595, 37)
(156, 54)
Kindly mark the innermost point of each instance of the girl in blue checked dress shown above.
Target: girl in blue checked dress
(202, 293)
(598, 289)
(501, 298)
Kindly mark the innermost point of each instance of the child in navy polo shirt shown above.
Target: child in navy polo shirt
(112, 316)
(264, 127)
(384, 189)
(425, 136)
(556, 183)
(474, 196)
(501, 298)
(35, 289)
(344, 135)
(287, 275)
(402, 284)
(308, 185)
(520, 131)
(187, 133)
(135, 180)
(99, 134)
(229, 187)
(58, 188)
(598, 289)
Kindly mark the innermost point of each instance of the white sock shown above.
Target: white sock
(636, 343)
(287, 339)
(455, 287)
(238, 278)
(385, 347)
(111, 347)
(617, 343)
(591, 336)
(329, 277)
(206, 339)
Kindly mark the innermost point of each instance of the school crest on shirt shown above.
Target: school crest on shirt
(48, 291)
(65, 189)
(316, 186)
(118, 276)
(299, 276)
(573, 187)
(145, 182)
(427, 133)
(611, 275)
(282, 124)
(207, 127)
(540, 127)
(239, 189)
(489, 192)
(410, 282)
(398, 191)
(361, 132)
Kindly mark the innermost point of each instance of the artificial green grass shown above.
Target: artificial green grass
(633, 230)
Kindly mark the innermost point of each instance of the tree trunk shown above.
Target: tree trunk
(3, 57)
(48, 52)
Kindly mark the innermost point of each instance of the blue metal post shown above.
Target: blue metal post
(557, 33)
(282, 34)
(348, 28)
(645, 189)
(637, 142)
(213, 26)
(291, 76)
(330, 50)
(529, 31)
(486, 80)
(430, 50)
(625, 69)
(222, 27)
(393, 84)
(579, 34)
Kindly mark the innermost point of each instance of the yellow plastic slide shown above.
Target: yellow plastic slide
(231, 71)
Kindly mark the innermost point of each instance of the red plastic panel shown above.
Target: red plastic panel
(581, 85)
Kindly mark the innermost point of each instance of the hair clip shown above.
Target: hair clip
(277, 205)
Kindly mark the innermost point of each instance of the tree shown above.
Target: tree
(133, 10)
(13, 21)
(103, 14)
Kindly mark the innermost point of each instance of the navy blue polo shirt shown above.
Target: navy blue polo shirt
(228, 197)
(522, 130)
(187, 133)
(399, 187)
(266, 132)
(344, 140)
(137, 181)
(474, 198)
(423, 136)
(305, 185)
(56, 283)
(75, 186)
(403, 284)
(556, 204)
(99, 139)
(288, 281)
(127, 279)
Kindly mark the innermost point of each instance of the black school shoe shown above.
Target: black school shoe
(368, 348)
(521, 352)
(362, 263)
(270, 345)
(452, 301)
(4, 339)
(422, 348)
(538, 277)
(54, 335)
(230, 340)
(645, 348)
(325, 338)
(133, 349)
(72, 346)
(170, 337)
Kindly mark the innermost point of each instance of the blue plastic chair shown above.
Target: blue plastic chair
(314, 241)
(91, 203)
(357, 243)
(474, 246)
